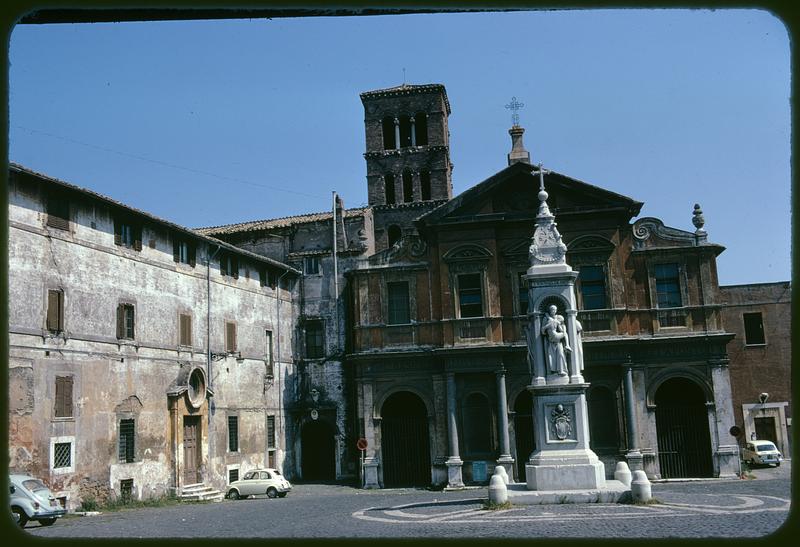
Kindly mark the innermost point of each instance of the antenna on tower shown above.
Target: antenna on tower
(404, 76)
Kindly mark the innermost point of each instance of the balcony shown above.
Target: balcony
(470, 330)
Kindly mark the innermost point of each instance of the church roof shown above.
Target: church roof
(282, 222)
(407, 89)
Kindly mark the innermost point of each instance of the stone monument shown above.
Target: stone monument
(562, 459)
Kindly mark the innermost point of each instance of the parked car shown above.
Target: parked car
(259, 481)
(761, 452)
(32, 500)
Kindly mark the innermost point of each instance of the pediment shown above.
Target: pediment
(467, 251)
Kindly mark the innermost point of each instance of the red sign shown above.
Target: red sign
(361, 444)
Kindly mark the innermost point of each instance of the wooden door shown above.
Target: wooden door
(191, 450)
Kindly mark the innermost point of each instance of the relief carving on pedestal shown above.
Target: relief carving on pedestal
(561, 422)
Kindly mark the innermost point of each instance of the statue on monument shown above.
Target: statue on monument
(556, 341)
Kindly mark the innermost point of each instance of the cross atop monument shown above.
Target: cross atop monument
(541, 172)
(514, 106)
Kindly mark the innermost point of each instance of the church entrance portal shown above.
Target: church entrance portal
(404, 441)
(523, 431)
(318, 451)
(684, 444)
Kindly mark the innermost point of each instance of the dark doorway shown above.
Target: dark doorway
(404, 441)
(318, 451)
(523, 431)
(684, 443)
(192, 454)
(765, 429)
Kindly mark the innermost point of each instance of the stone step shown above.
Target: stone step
(200, 492)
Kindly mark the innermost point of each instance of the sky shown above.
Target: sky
(205, 123)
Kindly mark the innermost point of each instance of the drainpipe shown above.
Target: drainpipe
(335, 279)
(208, 351)
(278, 363)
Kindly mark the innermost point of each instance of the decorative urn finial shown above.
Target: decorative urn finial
(698, 219)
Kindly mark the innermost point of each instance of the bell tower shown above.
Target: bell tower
(407, 155)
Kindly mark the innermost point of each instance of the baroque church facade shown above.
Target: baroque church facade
(384, 344)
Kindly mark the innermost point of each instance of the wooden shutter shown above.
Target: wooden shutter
(55, 312)
(63, 398)
(133, 317)
(230, 338)
(58, 212)
(120, 320)
(176, 249)
(186, 330)
(223, 264)
(137, 238)
(117, 232)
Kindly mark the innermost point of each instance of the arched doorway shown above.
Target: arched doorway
(318, 451)
(684, 443)
(404, 441)
(523, 431)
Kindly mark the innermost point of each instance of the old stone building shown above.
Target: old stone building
(760, 355)
(143, 356)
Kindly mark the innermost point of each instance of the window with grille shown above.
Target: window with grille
(233, 475)
(315, 340)
(230, 337)
(753, 329)
(126, 441)
(271, 432)
(63, 403)
(668, 286)
(127, 234)
(399, 307)
(523, 294)
(233, 433)
(58, 211)
(592, 280)
(125, 322)
(126, 490)
(185, 326)
(268, 352)
(184, 252)
(62, 455)
(55, 310)
(469, 295)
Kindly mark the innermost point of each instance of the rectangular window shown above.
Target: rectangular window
(399, 307)
(753, 329)
(126, 441)
(185, 327)
(270, 431)
(127, 234)
(229, 265)
(523, 294)
(230, 337)
(63, 398)
(592, 281)
(233, 475)
(268, 278)
(268, 352)
(315, 342)
(184, 252)
(57, 212)
(62, 455)
(469, 295)
(311, 265)
(125, 322)
(668, 286)
(55, 310)
(233, 433)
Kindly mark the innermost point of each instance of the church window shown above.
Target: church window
(388, 133)
(470, 297)
(421, 128)
(388, 181)
(405, 131)
(408, 187)
(668, 287)
(399, 309)
(395, 233)
(592, 281)
(753, 329)
(477, 425)
(425, 185)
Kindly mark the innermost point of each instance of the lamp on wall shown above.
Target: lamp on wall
(763, 397)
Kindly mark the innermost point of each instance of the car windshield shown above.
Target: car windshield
(33, 485)
(763, 447)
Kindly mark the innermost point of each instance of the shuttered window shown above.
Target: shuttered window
(125, 322)
(55, 310)
(58, 211)
(399, 308)
(315, 342)
(126, 441)
(233, 433)
(229, 265)
(230, 337)
(127, 234)
(63, 398)
(271, 432)
(184, 252)
(268, 356)
(185, 326)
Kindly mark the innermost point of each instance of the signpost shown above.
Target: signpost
(361, 444)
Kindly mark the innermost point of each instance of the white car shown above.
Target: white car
(259, 481)
(32, 500)
(761, 452)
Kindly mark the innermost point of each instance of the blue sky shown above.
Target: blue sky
(214, 122)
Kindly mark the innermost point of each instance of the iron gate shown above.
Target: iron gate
(684, 445)
(406, 455)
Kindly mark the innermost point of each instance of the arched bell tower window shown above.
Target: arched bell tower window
(389, 142)
(421, 128)
(406, 138)
(394, 234)
(388, 180)
(425, 185)
(408, 187)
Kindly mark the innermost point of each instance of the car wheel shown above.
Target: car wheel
(47, 522)
(233, 495)
(778, 464)
(272, 493)
(282, 495)
(20, 516)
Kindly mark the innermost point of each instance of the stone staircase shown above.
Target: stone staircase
(200, 492)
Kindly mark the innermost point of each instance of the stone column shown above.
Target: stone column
(453, 462)
(727, 449)
(413, 132)
(397, 134)
(370, 471)
(634, 456)
(505, 458)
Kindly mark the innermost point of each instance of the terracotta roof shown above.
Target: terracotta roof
(407, 89)
(282, 222)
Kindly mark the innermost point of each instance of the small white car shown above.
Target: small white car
(761, 452)
(32, 500)
(259, 481)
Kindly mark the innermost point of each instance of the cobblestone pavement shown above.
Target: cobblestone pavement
(687, 509)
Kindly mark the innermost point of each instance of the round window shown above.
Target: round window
(197, 388)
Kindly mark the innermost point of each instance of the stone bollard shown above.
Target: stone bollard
(498, 493)
(640, 487)
(623, 474)
(500, 470)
